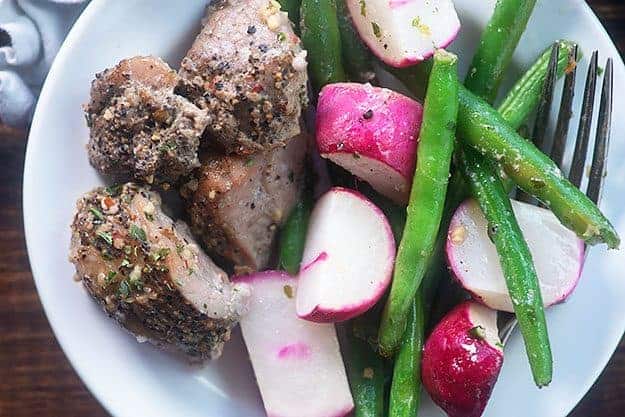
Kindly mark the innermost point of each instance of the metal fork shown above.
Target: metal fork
(556, 148)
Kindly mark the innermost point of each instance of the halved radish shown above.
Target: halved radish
(348, 258)
(461, 360)
(298, 364)
(372, 132)
(557, 252)
(405, 32)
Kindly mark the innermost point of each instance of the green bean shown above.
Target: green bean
(367, 377)
(524, 96)
(292, 7)
(497, 44)
(321, 38)
(515, 259)
(427, 198)
(293, 237)
(480, 126)
(357, 58)
(406, 382)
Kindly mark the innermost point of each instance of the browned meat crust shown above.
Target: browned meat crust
(149, 274)
(236, 203)
(140, 129)
(248, 69)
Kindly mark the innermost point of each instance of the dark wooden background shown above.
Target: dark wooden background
(36, 378)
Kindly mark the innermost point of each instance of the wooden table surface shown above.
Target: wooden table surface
(36, 378)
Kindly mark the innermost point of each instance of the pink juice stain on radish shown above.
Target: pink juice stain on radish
(398, 3)
(323, 256)
(294, 351)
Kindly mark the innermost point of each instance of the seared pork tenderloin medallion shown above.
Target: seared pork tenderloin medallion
(236, 203)
(139, 129)
(150, 275)
(248, 69)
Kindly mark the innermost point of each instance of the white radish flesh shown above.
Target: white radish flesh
(405, 32)
(298, 364)
(348, 258)
(557, 252)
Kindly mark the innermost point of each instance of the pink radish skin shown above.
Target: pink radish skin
(298, 364)
(371, 132)
(462, 359)
(348, 258)
(557, 252)
(405, 32)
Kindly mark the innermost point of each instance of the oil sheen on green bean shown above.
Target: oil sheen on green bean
(515, 259)
(497, 44)
(524, 96)
(292, 8)
(293, 237)
(367, 377)
(480, 126)
(427, 198)
(321, 38)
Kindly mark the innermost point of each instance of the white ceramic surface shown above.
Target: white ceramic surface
(133, 380)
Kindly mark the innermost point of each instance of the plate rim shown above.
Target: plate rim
(89, 378)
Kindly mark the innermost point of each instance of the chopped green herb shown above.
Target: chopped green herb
(138, 233)
(127, 250)
(363, 8)
(113, 190)
(125, 263)
(179, 249)
(149, 216)
(478, 332)
(376, 30)
(96, 213)
(124, 289)
(191, 271)
(106, 236)
(110, 276)
(160, 254)
(421, 27)
(281, 36)
(499, 345)
(249, 162)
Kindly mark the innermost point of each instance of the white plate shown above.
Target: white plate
(131, 379)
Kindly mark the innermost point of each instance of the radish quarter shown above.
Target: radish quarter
(557, 252)
(298, 364)
(462, 359)
(348, 258)
(405, 32)
(373, 133)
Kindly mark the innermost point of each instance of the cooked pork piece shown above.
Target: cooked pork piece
(236, 203)
(150, 275)
(140, 129)
(248, 69)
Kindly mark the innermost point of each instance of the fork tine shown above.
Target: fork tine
(602, 141)
(565, 112)
(542, 114)
(544, 106)
(585, 123)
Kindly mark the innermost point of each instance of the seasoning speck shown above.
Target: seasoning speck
(368, 114)
(288, 291)
(138, 233)
(106, 236)
(376, 30)
(251, 30)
